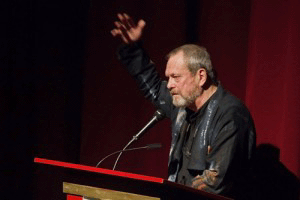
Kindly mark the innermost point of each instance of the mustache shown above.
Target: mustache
(173, 92)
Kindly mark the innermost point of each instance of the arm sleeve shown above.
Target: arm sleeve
(228, 156)
(143, 70)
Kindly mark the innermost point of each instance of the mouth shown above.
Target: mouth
(173, 93)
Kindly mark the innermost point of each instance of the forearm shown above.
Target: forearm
(143, 70)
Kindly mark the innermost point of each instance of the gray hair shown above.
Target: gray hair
(196, 57)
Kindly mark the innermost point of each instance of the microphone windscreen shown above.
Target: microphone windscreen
(154, 146)
(159, 114)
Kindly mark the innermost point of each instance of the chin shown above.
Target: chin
(179, 102)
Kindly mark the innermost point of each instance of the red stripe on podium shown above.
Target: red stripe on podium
(73, 197)
(98, 170)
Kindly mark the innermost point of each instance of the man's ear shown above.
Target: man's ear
(201, 76)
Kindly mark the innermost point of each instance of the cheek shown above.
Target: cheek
(183, 90)
(190, 88)
(185, 86)
(181, 87)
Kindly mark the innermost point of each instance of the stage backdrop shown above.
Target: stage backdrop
(273, 76)
(254, 47)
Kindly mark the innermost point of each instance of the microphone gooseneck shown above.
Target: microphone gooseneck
(158, 116)
(148, 147)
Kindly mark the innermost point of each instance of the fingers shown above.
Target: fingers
(122, 31)
(122, 26)
(118, 29)
(129, 20)
(127, 29)
(118, 32)
(114, 32)
(126, 21)
(200, 186)
(198, 183)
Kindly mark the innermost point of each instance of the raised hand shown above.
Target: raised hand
(127, 29)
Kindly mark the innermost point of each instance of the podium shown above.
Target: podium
(62, 180)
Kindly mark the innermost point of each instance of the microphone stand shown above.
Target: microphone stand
(133, 139)
(149, 146)
(158, 115)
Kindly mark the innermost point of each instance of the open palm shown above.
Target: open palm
(127, 29)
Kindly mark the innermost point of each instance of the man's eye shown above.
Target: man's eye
(176, 78)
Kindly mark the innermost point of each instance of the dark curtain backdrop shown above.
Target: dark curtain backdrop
(42, 47)
(272, 89)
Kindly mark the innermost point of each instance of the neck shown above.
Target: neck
(203, 98)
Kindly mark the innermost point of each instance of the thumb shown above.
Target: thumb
(141, 24)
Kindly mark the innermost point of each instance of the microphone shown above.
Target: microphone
(148, 147)
(158, 115)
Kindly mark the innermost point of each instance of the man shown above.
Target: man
(213, 135)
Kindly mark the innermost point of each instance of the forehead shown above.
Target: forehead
(176, 64)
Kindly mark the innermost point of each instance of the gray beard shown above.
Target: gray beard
(183, 102)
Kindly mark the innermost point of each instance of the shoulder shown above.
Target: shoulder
(228, 103)
(232, 110)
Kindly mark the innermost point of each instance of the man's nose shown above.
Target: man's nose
(170, 84)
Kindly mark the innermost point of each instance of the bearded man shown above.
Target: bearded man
(213, 135)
